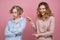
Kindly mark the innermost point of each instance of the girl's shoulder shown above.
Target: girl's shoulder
(10, 21)
(52, 18)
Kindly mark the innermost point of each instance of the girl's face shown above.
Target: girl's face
(15, 13)
(42, 9)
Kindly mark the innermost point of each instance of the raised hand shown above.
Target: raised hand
(28, 18)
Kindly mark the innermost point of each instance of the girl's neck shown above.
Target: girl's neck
(16, 18)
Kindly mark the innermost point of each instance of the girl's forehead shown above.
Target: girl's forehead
(14, 10)
(42, 6)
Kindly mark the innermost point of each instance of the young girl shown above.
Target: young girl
(16, 25)
(44, 24)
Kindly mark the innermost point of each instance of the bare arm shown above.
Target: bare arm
(32, 23)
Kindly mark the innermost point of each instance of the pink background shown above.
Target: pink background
(29, 7)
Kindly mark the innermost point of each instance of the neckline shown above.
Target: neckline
(18, 21)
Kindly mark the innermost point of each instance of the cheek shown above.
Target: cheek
(44, 9)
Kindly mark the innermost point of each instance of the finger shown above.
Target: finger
(28, 18)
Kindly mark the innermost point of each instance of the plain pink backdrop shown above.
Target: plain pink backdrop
(29, 7)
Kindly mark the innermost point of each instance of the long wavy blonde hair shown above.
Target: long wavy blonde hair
(48, 12)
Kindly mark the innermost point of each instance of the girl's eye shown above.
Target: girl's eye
(39, 8)
(43, 8)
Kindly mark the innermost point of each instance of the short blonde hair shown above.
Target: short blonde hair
(18, 8)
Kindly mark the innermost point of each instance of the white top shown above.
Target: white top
(43, 26)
